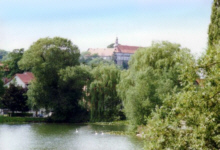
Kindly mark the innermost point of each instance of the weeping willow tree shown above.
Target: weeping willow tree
(153, 73)
(105, 104)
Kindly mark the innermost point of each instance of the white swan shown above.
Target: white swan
(77, 131)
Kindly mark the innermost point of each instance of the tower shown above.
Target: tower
(116, 42)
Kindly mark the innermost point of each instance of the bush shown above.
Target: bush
(21, 115)
(21, 119)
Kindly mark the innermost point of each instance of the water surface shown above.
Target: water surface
(65, 137)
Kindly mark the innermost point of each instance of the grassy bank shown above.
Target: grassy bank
(4, 119)
(124, 122)
(115, 123)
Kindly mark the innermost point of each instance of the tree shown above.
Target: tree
(153, 73)
(105, 103)
(190, 117)
(12, 62)
(86, 57)
(93, 60)
(214, 27)
(2, 54)
(2, 89)
(125, 64)
(15, 99)
(111, 45)
(66, 107)
(46, 58)
(71, 83)
(98, 61)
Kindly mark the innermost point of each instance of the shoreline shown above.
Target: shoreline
(4, 119)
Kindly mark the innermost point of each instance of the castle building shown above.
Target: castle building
(123, 53)
(105, 53)
(120, 54)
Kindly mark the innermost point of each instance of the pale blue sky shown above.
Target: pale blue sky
(96, 23)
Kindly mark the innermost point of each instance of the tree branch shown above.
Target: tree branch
(203, 66)
(215, 95)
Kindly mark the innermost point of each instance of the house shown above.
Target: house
(21, 79)
(120, 54)
(105, 53)
(123, 53)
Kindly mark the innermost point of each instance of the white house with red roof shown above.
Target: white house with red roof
(21, 79)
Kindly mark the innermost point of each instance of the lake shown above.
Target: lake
(65, 137)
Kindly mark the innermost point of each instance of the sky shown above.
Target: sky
(97, 23)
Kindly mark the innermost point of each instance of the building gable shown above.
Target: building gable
(21, 79)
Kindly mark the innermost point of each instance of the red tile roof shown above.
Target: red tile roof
(126, 49)
(26, 77)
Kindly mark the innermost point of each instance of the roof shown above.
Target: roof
(200, 82)
(25, 77)
(126, 49)
(102, 51)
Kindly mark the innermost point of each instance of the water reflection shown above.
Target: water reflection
(15, 137)
(65, 137)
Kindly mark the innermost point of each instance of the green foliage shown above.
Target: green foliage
(190, 117)
(21, 114)
(153, 73)
(21, 119)
(125, 64)
(105, 103)
(93, 60)
(58, 80)
(37, 96)
(15, 99)
(111, 45)
(71, 83)
(47, 56)
(99, 61)
(2, 89)
(3, 53)
(86, 57)
(214, 27)
(12, 62)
